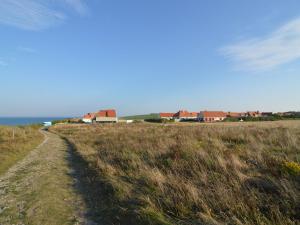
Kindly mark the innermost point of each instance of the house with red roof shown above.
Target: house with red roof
(167, 116)
(89, 118)
(185, 115)
(266, 114)
(254, 114)
(211, 116)
(106, 116)
(236, 114)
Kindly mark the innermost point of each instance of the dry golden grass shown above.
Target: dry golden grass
(15, 143)
(226, 173)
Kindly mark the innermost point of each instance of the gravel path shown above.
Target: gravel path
(41, 189)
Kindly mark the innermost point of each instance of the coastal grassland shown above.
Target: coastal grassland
(142, 117)
(224, 173)
(15, 143)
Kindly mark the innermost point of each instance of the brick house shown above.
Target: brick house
(211, 116)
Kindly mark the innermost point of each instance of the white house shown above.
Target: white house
(89, 118)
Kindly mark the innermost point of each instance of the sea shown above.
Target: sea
(20, 121)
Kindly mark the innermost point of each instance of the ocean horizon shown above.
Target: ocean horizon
(19, 121)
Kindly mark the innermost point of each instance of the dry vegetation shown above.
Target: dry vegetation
(15, 143)
(192, 174)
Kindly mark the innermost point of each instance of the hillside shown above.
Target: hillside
(226, 173)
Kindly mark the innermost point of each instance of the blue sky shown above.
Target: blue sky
(68, 57)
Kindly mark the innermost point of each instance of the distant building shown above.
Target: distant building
(289, 114)
(253, 114)
(47, 124)
(211, 116)
(106, 116)
(89, 118)
(185, 115)
(236, 114)
(266, 114)
(125, 121)
(167, 116)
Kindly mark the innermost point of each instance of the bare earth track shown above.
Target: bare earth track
(42, 188)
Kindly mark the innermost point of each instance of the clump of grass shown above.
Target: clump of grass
(192, 174)
(15, 143)
(292, 168)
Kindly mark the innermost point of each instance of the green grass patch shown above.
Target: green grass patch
(142, 117)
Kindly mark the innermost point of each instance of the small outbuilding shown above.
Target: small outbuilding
(89, 118)
(47, 124)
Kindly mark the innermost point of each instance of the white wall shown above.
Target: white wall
(106, 119)
(87, 120)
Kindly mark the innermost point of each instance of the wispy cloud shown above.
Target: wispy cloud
(26, 49)
(3, 63)
(78, 5)
(258, 54)
(36, 14)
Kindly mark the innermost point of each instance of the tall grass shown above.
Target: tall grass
(15, 143)
(190, 174)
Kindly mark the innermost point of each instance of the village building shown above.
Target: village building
(266, 114)
(89, 118)
(167, 116)
(211, 116)
(125, 121)
(47, 124)
(106, 116)
(235, 114)
(185, 115)
(253, 114)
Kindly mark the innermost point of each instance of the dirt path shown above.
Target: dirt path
(41, 189)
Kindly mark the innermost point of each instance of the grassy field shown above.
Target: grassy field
(15, 143)
(141, 117)
(225, 173)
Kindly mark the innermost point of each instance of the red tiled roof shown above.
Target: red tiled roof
(253, 113)
(107, 113)
(235, 114)
(166, 114)
(89, 116)
(194, 114)
(213, 114)
(185, 113)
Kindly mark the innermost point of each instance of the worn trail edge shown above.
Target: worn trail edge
(41, 189)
